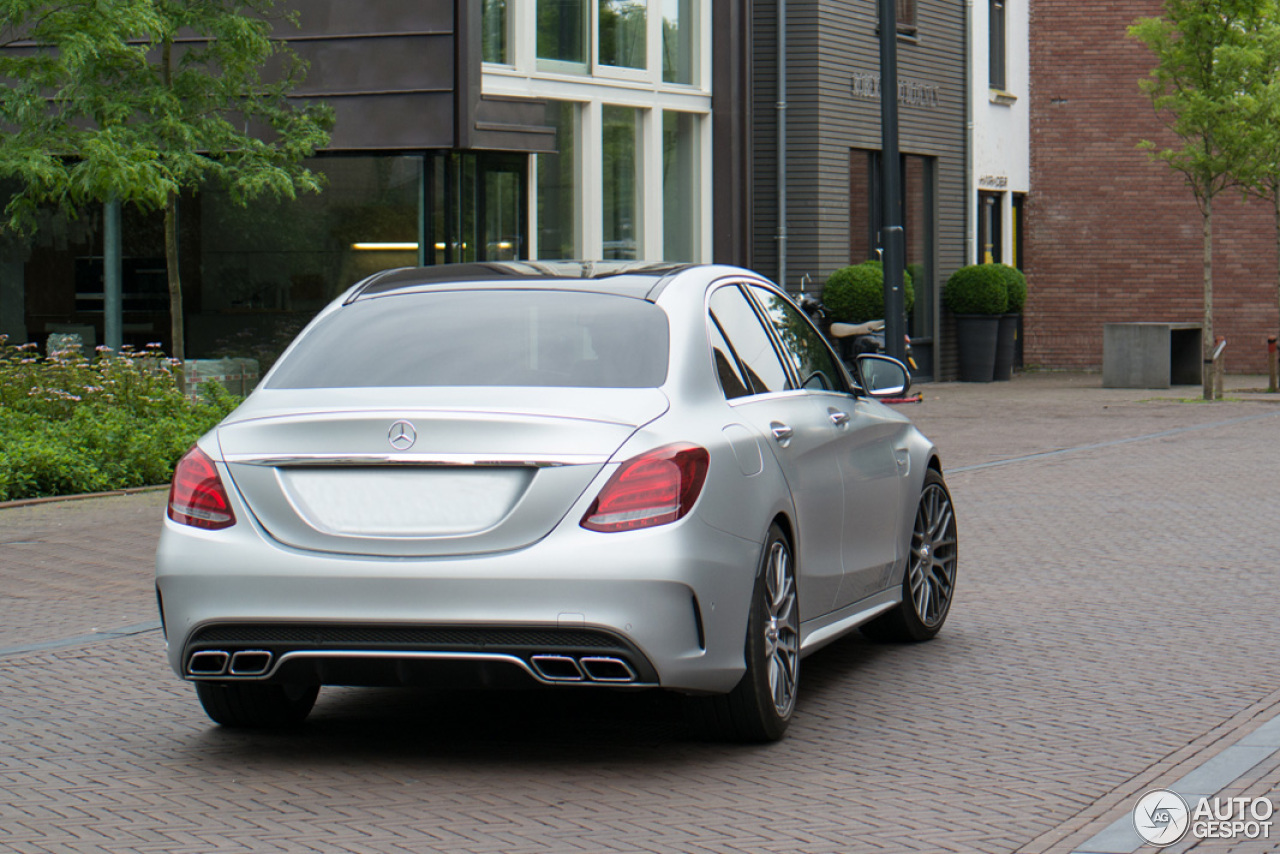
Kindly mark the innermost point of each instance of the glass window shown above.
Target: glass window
(906, 15)
(680, 210)
(803, 345)
(741, 327)
(733, 381)
(622, 27)
(562, 31)
(995, 33)
(493, 23)
(548, 338)
(557, 186)
(621, 201)
(677, 40)
(296, 256)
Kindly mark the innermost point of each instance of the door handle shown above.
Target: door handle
(838, 417)
(781, 432)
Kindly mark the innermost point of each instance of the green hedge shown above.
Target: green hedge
(856, 294)
(979, 289)
(69, 425)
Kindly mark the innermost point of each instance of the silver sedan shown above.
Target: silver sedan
(567, 475)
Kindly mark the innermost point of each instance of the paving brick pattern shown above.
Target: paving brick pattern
(1116, 618)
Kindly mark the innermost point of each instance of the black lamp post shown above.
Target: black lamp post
(891, 236)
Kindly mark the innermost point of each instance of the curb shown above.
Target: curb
(50, 499)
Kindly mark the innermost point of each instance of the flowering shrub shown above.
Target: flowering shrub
(69, 424)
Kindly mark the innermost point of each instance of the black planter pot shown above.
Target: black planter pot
(977, 335)
(1006, 346)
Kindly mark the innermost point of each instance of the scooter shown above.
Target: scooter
(861, 338)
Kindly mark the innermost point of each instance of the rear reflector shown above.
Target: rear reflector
(655, 488)
(197, 497)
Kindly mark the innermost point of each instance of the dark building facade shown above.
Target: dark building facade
(832, 168)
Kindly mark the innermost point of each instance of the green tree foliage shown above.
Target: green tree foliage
(1206, 52)
(141, 100)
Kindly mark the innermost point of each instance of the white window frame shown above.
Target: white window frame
(530, 77)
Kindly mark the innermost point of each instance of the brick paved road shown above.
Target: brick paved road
(1116, 621)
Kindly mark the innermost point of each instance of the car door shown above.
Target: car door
(862, 445)
(764, 395)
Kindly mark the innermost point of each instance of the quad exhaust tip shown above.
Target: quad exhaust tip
(601, 669)
(208, 663)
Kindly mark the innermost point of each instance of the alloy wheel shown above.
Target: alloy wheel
(782, 629)
(933, 556)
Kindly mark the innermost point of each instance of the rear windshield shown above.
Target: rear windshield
(483, 338)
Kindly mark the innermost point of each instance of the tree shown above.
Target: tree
(141, 100)
(1203, 51)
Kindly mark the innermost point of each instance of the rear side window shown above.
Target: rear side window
(483, 338)
(737, 321)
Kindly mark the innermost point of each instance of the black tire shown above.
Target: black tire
(248, 704)
(759, 708)
(928, 585)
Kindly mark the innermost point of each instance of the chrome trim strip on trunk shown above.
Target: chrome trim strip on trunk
(418, 460)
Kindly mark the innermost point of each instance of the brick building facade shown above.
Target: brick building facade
(1110, 236)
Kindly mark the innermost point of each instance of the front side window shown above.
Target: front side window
(483, 338)
(622, 27)
(748, 340)
(803, 345)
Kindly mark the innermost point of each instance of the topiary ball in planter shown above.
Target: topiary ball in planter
(855, 294)
(1016, 284)
(977, 289)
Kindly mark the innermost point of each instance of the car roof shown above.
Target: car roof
(640, 279)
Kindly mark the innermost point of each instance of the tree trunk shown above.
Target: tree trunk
(1207, 333)
(178, 349)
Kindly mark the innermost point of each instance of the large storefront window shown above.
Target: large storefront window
(557, 187)
(478, 205)
(622, 26)
(680, 208)
(621, 201)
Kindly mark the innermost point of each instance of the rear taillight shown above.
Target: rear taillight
(655, 488)
(197, 496)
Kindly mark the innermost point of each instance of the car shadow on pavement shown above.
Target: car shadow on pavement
(567, 725)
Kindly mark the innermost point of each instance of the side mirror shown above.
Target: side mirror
(883, 376)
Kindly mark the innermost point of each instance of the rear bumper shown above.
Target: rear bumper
(663, 607)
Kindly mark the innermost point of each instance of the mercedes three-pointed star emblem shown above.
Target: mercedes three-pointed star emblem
(402, 435)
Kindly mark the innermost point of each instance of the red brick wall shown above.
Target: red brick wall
(1110, 236)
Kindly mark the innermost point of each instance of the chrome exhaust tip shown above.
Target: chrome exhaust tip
(556, 668)
(209, 662)
(607, 669)
(250, 662)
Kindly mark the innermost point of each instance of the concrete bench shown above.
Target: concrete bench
(1151, 355)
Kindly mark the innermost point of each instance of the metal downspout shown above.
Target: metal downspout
(782, 144)
(970, 196)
